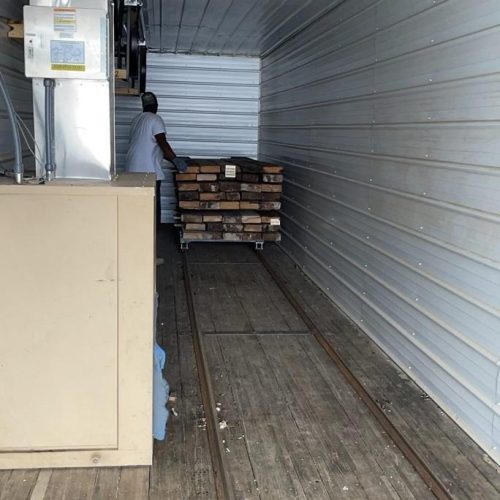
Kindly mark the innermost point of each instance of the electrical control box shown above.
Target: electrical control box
(66, 43)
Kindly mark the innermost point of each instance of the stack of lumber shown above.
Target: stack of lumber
(230, 199)
(230, 226)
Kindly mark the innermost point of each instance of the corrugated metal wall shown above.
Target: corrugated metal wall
(210, 106)
(227, 27)
(387, 114)
(12, 68)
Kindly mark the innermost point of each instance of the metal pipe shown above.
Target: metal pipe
(18, 164)
(50, 167)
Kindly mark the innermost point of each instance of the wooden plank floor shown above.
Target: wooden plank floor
(294, 428)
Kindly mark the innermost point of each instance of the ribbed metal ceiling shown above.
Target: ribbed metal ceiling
(228, 27)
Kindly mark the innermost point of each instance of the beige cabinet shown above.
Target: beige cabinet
(76, 323)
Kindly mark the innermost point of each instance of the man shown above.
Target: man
(148, 146)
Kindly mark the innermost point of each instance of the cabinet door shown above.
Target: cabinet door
(58, 321)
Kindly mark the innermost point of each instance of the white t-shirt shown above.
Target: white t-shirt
(144, 154)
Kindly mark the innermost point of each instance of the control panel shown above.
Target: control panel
(65, 43)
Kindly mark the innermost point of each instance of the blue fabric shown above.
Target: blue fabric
(160, 394)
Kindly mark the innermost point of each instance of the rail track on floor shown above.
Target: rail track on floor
(223, 483)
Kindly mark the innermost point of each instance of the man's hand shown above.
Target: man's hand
(180, 164)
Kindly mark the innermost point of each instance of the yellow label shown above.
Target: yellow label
(68, 67)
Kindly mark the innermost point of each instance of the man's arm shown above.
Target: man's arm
(168, 152)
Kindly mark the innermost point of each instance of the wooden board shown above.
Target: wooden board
(240, 298)
(206, 177)
(186, 177)
(298, 431)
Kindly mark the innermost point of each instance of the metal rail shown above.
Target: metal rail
(223, 484)
(423, 470)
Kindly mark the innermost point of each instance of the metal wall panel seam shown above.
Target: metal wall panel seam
(213, 63)
(229, 29)
(495, 312)
(218, 127)
(221, 22)
(199, 25)
(201, 84)
(380, 30)
(318, 36)
(486, 262)
(180, 24)
(487, 355)
(491, 168)
(314, 42)
(427, 218)
(463, 252)
(380, 94)
(478, 214)
(183, 138)
(424, 199)
(378, 62)
(171, 67)
(236, 26)
(263, 18)
(318, 54)
(279, 20)
(201, 98)
(410, 338)
(300, 28)
(375, 125)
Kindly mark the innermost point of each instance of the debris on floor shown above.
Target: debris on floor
(384, 405)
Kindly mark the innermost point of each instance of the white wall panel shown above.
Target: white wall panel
(209, 104)
(387, 116)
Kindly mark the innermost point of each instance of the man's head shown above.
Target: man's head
(149, 102)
